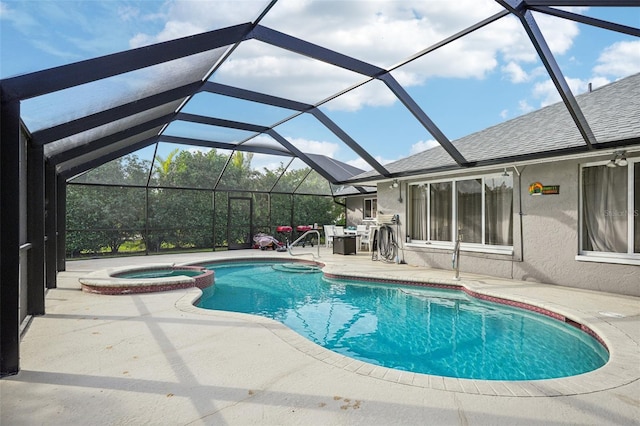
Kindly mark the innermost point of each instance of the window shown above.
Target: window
(498, 210)
(610, 211)
(469, 203)
(418, 203)
(480, 209)
(440, 212)
(370, 208)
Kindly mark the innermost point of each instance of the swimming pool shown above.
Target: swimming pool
(418, 329)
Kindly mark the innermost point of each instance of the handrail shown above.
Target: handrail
(455, 258)
(302, 237)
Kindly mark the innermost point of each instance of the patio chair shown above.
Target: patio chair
(363, 234)
(329, 232)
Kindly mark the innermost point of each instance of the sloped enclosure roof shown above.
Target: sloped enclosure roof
(179, 95)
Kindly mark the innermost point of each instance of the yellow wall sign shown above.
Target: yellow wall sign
(537, 188)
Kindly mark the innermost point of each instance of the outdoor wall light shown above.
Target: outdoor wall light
(394, 184)
(505, 173)
(619, 159)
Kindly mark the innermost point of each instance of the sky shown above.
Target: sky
(471, 84)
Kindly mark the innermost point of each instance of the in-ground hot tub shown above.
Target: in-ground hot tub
(146, 279)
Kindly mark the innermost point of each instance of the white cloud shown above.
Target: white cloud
(559, 33)
(315, 147)
(188, 17)
(266, 69)
(381, 33)
(504, 113)
(546, 90)
(265, 161)
(619, 60)
(422, 146)
(21, 20)
(374, 93)
(128, 13)
(515, 73)
(524, 106)
(363, 165)
(384, 33)
(360, 163)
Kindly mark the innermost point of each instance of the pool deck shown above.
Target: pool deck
(155, 359)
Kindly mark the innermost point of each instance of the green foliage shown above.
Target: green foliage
(102, 218)
(114, 214)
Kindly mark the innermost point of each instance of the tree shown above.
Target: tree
(165, 214)
(104, 217)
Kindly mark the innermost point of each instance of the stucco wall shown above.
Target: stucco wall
(550, 235)
(355, 209)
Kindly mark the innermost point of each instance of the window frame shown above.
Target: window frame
(449, 245)
(373, 209)
(628, 258)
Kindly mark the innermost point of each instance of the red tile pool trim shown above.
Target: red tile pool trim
(481, 296)
(151, 288)
(120, 286)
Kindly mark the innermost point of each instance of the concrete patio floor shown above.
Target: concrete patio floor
(155, 359)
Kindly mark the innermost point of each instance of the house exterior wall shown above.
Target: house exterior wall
(545, 244)
(355, 209)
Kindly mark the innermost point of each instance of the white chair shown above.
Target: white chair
(329, 232)
(338, 231)
(363, 234)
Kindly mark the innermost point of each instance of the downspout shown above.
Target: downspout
(520, 215)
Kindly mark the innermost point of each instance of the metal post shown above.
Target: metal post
(35, 229)
(9, 236)
(51, 242)
(61, 221)
(213, 219)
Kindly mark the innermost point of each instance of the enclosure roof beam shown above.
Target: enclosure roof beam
(424, 119)
(222, 145)
(589, 3)
(53, 79)
(502, 161)
(288, 145)
(363, 153)
(546, 56)
(221, 123)
(249, 95)
(297, 106)
(302, 47)
(88, 122)
(69, 172)
(84, 149)
(611, 26)
(314, 51)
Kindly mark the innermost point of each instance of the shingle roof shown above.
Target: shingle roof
(613, 112)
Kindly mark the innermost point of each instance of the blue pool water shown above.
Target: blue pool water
(431, 331)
